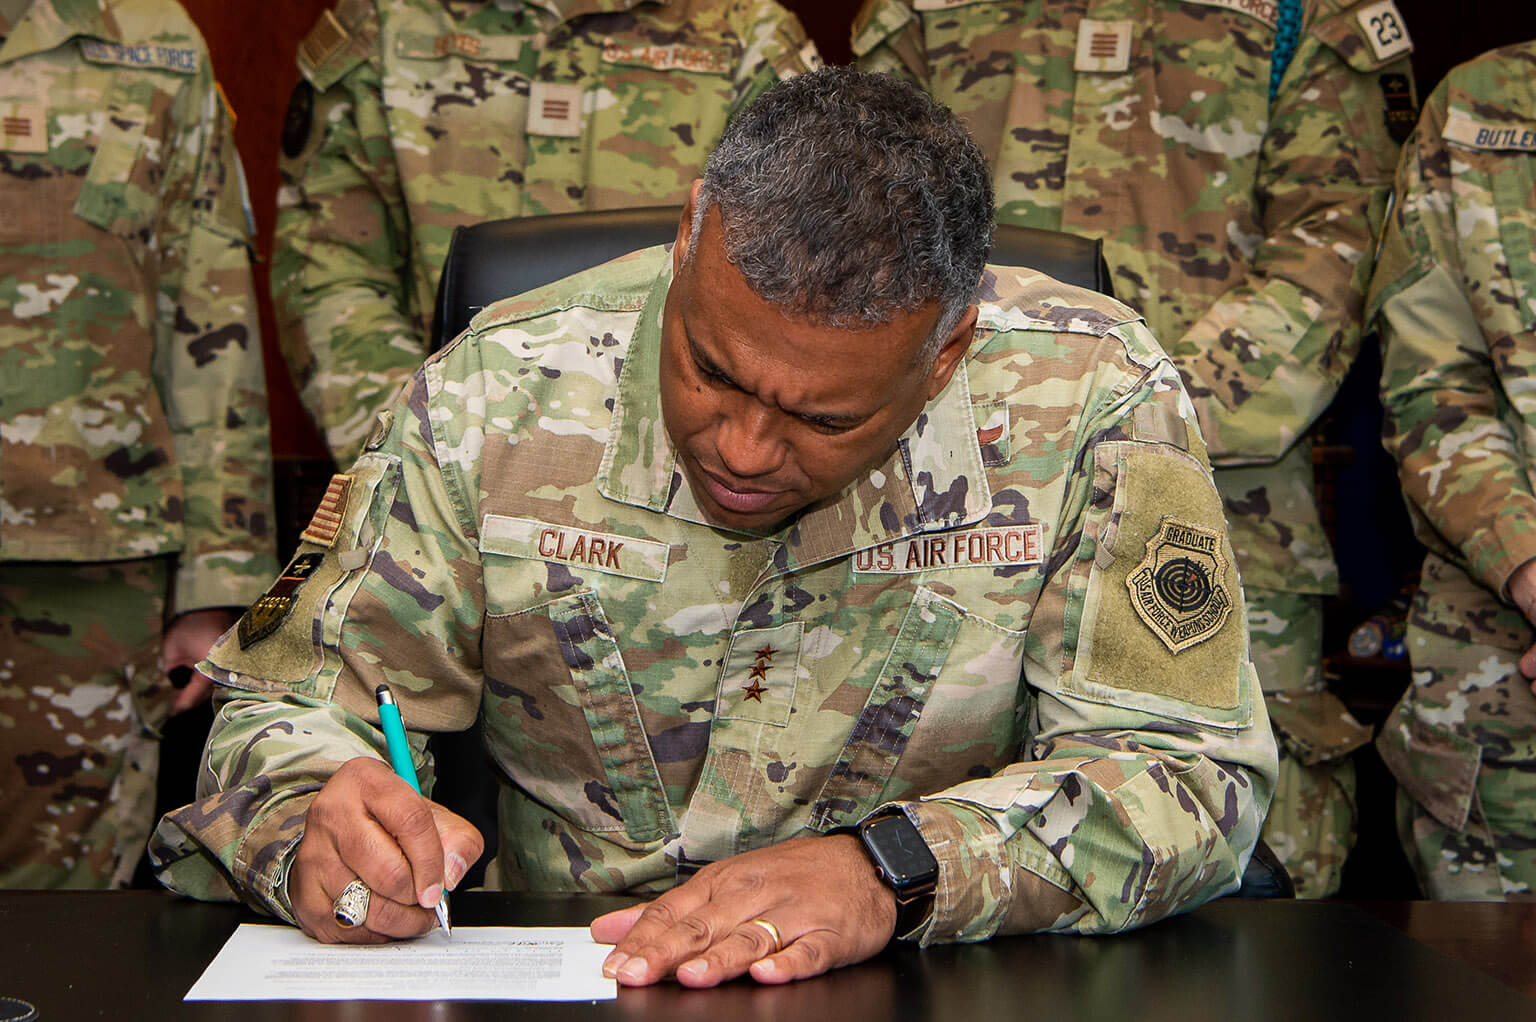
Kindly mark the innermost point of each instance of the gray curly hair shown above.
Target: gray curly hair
(851, 198)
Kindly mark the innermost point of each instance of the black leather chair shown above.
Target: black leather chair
(500, 258)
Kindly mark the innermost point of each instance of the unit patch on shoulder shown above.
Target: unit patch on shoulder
(326, 523)
(1178, 589)
(269, 611)
(322, 43)
(1385, 29)
(1400, 116)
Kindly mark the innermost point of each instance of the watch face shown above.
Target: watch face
(900, 852)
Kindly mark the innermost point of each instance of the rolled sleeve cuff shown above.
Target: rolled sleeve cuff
(988, 882)
(204, 851)
(1496, 552)
(266, 855)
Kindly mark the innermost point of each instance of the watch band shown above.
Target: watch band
(914, 893)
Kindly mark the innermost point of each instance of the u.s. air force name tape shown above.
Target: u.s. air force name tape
(994, 547)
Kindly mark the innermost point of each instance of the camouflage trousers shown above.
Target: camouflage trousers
(1462, 743)
(81, 697)
(1311, 822)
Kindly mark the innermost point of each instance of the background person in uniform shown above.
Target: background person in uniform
(736, 544)
(1455, 298)
(134, 467)
(418, 116)
(1235, 158)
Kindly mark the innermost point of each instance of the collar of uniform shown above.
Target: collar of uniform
(567, 10)
(639, 462)
(933, 480)
(51, 23)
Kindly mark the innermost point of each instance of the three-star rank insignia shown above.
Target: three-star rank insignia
(1180, 588)
(262, 618)
(758, 677)
(758, 672)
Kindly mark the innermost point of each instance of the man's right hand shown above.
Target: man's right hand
(367, 824)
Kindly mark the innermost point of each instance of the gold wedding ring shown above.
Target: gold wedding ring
(350, 909)
(773, 933)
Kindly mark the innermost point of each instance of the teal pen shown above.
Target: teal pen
(400, 759)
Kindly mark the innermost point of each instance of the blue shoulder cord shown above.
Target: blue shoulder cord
(1287, 33)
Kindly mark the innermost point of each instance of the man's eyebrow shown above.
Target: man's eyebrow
(709, 368)
(705, 362)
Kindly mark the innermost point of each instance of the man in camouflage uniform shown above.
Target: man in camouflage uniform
(1238, 215)
(134, 464)
(1455, 297)
(418, 116)
(724, 565)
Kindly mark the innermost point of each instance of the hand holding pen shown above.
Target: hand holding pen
(405, 767)
(400, 850)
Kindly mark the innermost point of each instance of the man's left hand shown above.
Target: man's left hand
(821, 894)
(186, 641)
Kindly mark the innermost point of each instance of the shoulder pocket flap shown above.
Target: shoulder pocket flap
(1367, 37)
(1162, 628)
(329, 50)
(1436, 767)
(1315, 725)
(115, 194)
(275, 643)
(876, 22)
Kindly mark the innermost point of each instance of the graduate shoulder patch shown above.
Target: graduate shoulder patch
(272, 607)
(1179, 589)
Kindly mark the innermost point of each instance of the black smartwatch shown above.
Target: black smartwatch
(904, 864)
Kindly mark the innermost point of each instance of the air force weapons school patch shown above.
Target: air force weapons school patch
(1179, 588)
(263, 616)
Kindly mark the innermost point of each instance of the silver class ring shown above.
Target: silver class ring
(350, 908)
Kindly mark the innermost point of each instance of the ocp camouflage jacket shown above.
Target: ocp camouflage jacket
(982, 630)
(133, 407)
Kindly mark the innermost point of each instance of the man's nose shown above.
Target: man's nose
(748, 441)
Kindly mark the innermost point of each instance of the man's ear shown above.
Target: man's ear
(955, 348)
(685, 227)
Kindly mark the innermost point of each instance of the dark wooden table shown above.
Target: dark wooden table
(133, 955)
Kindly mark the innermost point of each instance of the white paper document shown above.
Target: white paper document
(480, 963)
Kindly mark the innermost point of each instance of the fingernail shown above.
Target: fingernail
(633, 971)
(765, 966)
(431, 896)
(455, 871)
(693, 969)
(613, 963)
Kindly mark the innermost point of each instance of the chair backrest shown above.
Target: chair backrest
(500, 258)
